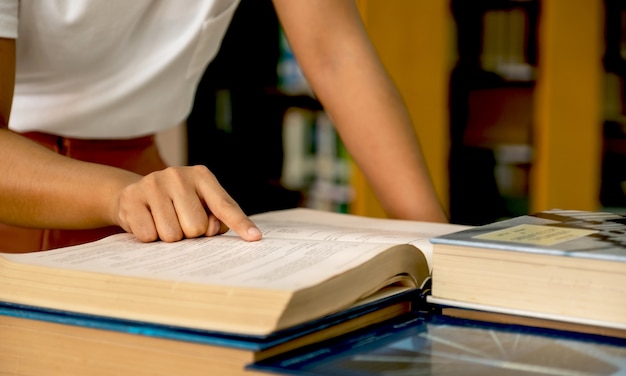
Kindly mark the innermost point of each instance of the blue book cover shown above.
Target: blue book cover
(215, 338)
(419, 344)
(573, 233)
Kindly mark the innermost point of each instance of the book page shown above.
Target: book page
(303, 223)
(220, 260)
(299, 246)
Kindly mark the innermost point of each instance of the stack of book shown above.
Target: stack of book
(324, 293)
(208, 305)
(537, 294)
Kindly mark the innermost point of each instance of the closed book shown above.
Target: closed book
(561, 265)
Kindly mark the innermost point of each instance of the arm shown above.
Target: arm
(339, 61)
(168, 204)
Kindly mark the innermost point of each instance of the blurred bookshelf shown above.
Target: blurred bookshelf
(613, 178)
(257, 126)
(519, 106)
(315, 161)
(537, 108)
(235, 125)
(491, 105)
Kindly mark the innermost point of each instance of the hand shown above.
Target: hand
(180, 202)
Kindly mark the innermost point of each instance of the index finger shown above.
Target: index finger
(225, 208)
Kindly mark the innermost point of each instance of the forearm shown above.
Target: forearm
(42, 189)
(342, 67)
(39, 188)
(378, 125)
(46, 190)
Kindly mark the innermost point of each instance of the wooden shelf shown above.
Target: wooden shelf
(567, 120)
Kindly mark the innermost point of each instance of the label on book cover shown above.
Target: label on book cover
(536, 234)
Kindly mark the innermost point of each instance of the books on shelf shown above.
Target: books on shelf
(505, 34)
(210, 303)
(556, 265)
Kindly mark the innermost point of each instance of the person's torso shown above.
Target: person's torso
(112, 68)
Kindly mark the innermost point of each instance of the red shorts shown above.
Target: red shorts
(139, 155)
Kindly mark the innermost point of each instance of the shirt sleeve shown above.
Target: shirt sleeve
(9, 11)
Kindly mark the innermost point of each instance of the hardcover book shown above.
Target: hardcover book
(34, 341)
(561, 265)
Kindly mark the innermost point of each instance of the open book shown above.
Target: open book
(310, 264)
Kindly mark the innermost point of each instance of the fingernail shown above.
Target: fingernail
(254, 232)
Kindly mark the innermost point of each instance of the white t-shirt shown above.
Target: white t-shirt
(109, 68)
